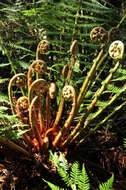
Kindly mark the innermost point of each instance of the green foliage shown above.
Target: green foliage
(107, 185)
(76, 178)
(10, 126)
(62, 166)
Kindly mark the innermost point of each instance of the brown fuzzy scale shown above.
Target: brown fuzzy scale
(52, 90)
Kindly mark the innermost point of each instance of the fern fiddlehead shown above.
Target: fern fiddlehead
(69, 94)
(116, 51)
(42, 48)
(74, 51)
(98, 35)
(37, 66)
(18, 80)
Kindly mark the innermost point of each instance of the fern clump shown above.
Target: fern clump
(74, 177)
(57, 111)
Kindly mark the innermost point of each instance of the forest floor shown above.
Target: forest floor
(102, 155)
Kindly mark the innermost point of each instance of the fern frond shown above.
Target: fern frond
(52, 186)
(75, 173)
(4, 65)
(62, 166)
(108, 184)
(4, 80)
(3, 98)
(83, 180)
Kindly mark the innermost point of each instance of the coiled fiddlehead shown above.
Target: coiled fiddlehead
(42, 48)
(18, 80)
(114, 34)
(116, 50)
(22, 108)
(38, 66)
(74, 52)
(68, 94)
(99, 35)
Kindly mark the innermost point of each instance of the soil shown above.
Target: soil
(102, 154)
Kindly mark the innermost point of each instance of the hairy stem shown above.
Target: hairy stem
(87, 81)
(48, 111)
(33, 122)
(78, 129)
(61, 105)
(66, 126)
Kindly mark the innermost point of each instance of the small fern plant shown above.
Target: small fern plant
(75, 178)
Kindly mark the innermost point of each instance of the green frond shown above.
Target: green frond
(62, 166)
(4, 65)
(4, 80)
(124, 142)
(52, 186)
(112, 89)
(83, 180)
(23, 64)
(19, 47)
(3, 108)
(108, 184)
(122, 78)
(102, 103)
(75, 173)
(3, 98)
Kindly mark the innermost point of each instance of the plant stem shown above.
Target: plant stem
(34, 124)
(78, 129)
(87, 81)
(61, 105)
(14, 146)
(76, 20)
(64, 129)
(105, 107)
(48, 111)
(121, 21)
